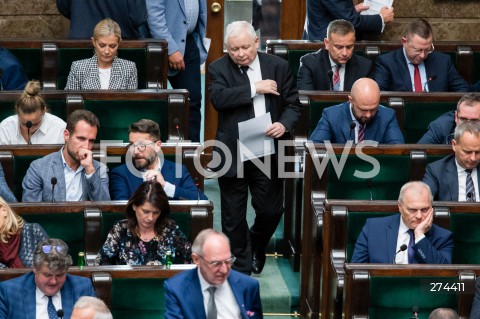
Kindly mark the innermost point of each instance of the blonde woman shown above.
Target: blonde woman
(18, 239)
(103, 71)
(32, 124)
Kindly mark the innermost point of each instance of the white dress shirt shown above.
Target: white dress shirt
(50, 131)
(341, 72)
(73, 181)
(42, 303)
(403, 238)
(255, 74)
(411, 69)
(168, 188)
(462, 183)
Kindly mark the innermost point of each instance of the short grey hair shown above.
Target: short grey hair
(443, 313)
(467, 126)
(413, 184)
(55, 260)
(341, 27)
(235, 28)
(470, 99)
(100, 308)
(197, 246)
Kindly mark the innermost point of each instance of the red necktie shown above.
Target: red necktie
(417, 80)
(336, 78)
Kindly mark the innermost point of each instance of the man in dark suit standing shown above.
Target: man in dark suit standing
(338, 57)
(382, 237)
(321, 12)
(212, 287)
(359, 119)
(442, 129)
(48, 288)
(417, 67)
(455, 177)
(245, 85)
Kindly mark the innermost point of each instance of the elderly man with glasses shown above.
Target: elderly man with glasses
(213, 289)
(48, 289)
(416, 67)
(143, 163)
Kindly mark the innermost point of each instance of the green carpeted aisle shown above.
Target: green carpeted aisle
(279, 285)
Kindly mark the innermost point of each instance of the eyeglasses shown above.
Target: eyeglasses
(218, 263)
(140, 146)
(420, 51)
(48, 249)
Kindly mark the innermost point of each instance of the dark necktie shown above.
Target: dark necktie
(244, 73)
(361, 133)
(469, 187)
(417, 80)
(411, 253)
(52, 312)
(211, 306)
(336, 78)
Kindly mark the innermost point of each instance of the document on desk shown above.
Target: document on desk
(375, 6)
(254, 143)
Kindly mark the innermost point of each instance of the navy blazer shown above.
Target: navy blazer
(391, 73)
(123, 183)
(321, 12)
(334, 126)
(17, 296)
(441, 130)
(314, 67)
(377, 243)
(475, 313)
(442, 177)
(13, 77)
(184, 298)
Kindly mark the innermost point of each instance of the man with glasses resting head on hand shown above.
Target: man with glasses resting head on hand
(212, 288)
(47, 289)
(417, 67)
(408, 238)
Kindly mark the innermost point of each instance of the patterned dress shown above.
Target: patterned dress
(124, 248)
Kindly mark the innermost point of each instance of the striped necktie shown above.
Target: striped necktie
(361, 133)
(469, 187)
(336, 78)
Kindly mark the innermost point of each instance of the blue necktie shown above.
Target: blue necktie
(52, 312)
(411, 253)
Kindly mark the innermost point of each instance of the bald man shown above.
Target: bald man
(359, 119)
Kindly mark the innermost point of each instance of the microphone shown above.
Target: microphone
(54, 182)
(415, 311)
(60, 313)
(1, 75)
(402, 248)
(369, 185)
(157, 76)
(330, 78)
(352, 127)
(28, 124)
(198, 191)
(469, 197)
(176, 122)
(431, 78)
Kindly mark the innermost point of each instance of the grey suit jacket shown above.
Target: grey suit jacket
(37, 185)
(84, 75)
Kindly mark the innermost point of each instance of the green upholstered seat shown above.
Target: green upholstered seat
(20, 167)
(31, 60)
(466, 237)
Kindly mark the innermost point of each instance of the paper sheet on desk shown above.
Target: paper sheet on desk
(254, 143)
(375, 6)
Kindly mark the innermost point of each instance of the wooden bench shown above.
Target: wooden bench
(465, 55)
(380, 291)
(49, 60)
(398, 164)
(129, 292)
(84, 225)
(116, 110)
(16, 159)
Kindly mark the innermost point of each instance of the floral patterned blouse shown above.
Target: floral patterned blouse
(124, 248)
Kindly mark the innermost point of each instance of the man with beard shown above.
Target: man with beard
(71, 174)
(145, 143)
(359, 119)
(455, 177)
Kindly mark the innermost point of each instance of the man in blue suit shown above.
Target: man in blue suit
(71, 174)
(441, 130)
(145, 143)
(407, 238)
(417, 67)
(47, 288)
(321, 12)
(456, 177)
(213, 287)
(362, 118)
(12, 76)
(183, 24)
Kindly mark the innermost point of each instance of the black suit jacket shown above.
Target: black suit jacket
(231, 97)
(313, 71)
